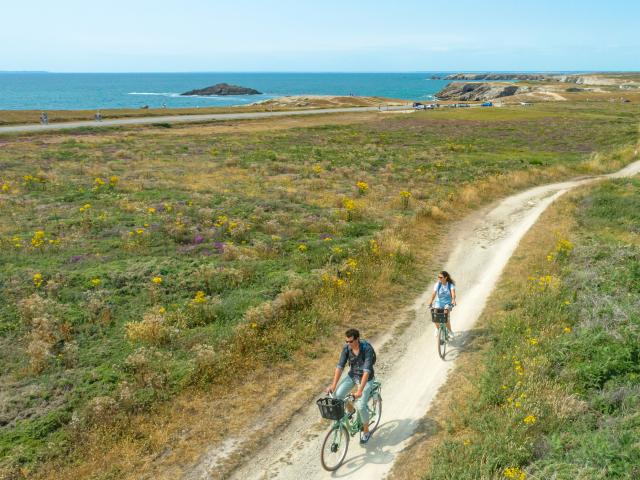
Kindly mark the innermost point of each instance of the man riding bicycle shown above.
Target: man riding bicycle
(444, 294)
(361, 357)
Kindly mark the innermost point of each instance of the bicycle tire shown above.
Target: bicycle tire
(442, 341)
(342, 441)
(375, 405)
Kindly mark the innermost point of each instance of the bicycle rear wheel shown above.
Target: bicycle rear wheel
(442, 341)
(375, 411)
(334, 447)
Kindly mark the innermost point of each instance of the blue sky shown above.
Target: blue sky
(324, 35)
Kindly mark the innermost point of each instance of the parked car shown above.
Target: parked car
(418, 106)
(487, 104)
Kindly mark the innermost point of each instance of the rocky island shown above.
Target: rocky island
(222, 89)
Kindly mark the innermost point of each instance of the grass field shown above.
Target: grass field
(141, 263)
(557, 396)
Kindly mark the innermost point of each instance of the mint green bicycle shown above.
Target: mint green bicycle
(345, 425)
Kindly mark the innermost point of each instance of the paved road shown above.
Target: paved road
(213, 117)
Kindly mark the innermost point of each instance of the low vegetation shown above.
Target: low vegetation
(140, 264)
(557, 396)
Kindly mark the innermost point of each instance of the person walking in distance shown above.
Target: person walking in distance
(444, 294)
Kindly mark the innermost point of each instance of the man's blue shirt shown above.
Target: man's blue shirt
(363, 362)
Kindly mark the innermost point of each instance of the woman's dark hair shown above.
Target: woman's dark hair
(352, 333)
(448, 277)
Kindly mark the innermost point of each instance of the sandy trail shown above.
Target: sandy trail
(408, 363)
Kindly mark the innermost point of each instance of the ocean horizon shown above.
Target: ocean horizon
(87, 91)
(40, 90)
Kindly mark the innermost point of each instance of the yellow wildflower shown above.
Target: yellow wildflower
(533, 341)
(362, 187)
(157, 280)
(37, 280)
(567, 329)
(302, 248)
(336, 250)
(529, 419)
(113, 180)
(162, 310)
(373, 247)
(38, 238)
(96, 282)
(348, 204)
(5, 188)
(514, 472)
(200, 297)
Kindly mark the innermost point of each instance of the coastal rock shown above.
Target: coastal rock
(497, 76)
(223, 89)
(478, 92)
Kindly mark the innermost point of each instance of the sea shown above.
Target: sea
(92, 91)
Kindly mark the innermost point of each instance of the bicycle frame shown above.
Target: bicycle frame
(352, 421)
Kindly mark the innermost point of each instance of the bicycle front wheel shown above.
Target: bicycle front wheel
(442, 341)
(334, 448)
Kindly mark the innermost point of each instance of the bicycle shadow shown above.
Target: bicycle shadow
(387, 435)
(468, 341)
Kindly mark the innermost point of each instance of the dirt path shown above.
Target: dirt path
(408, 365)
(212, 117)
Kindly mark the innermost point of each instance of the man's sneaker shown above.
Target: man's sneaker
(451, 335)
(364, 437)
(435, 333)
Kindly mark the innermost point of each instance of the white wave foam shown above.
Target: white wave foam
(160, 94)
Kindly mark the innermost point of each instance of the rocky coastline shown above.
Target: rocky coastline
(497, 76)
(222, 89)
(478, 92)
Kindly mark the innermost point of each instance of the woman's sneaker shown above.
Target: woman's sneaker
(364, 437)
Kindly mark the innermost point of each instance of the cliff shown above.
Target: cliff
(478, 92)
(497, 76)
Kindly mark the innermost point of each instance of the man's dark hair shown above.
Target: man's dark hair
(352, 333)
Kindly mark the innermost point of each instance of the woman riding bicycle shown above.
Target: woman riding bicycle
(444, 294)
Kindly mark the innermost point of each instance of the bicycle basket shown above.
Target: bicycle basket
(331, 408)
(438, 315)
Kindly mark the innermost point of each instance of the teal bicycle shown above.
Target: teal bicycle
(438, 316)
(345, 425)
